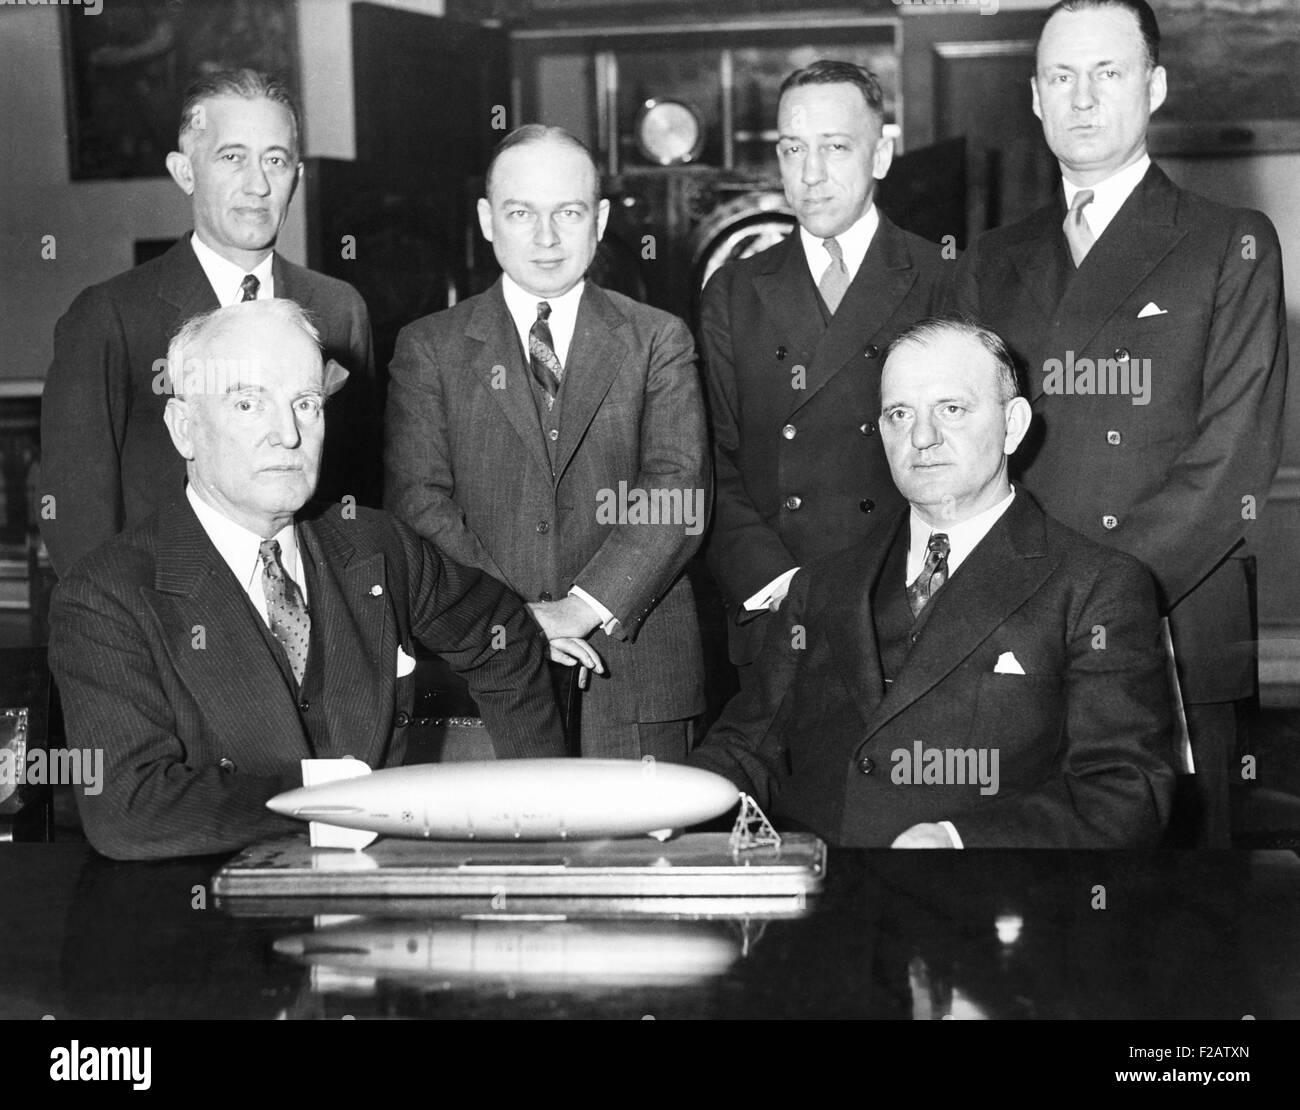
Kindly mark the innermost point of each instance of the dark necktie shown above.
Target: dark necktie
(248, 288)
(934, 573)
(1077, 232)
(290, 623)
(542, 359)
(836, 278)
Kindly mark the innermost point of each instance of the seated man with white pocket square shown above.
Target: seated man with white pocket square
(241, 629)
(975, 674)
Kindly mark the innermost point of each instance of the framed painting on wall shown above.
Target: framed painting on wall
(126, 69)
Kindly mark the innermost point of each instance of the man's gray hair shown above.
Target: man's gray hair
(185, 349)
(933, 327)
(247, 84)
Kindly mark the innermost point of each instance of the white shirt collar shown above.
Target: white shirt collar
(226, 278)
(963, 538)
(563, 319)
(239, 548)
(854, 243)
(1108, 196)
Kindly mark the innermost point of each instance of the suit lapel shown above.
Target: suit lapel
(1005, 569)
(849, 624)
(492, 328)
(596, 355)
(355, 625)
(213, 638)
(881, 283)
(788, 295)
(1142, 233)
(183, 284)
(1042, 259)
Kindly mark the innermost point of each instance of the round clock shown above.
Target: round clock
(669, 132)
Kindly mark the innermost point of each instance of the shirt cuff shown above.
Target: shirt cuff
(773, 591)
(947, 827)
(608, 622)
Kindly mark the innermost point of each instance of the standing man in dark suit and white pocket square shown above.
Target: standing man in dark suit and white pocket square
(973, 674)
(1151, 323)
(105, 456)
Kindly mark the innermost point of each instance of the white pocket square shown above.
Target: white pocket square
(1152, 309)
(405, 664)
(1008, 664)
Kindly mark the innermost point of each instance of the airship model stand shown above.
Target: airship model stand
(531, 835)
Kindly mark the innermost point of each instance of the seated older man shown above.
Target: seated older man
(972, 675)
(240, 629)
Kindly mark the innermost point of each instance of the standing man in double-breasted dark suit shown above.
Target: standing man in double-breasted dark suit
(1151, 324)
(793, 339)
(106, 459)
(552, 433)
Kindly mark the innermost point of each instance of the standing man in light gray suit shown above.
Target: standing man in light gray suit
(552, 433)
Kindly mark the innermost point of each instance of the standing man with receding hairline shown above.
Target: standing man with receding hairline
(105, 456)
(1152, 325)
(793, 340)
(552, 433)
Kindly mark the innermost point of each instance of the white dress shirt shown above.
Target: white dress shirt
(1108, 196)
(564, 315)
(963, 538)
(854, 244)
(226, 278)
(239, 548)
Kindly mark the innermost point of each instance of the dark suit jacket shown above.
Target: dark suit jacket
(106, 456)
(1173, 474)
(163, 662)
(799, 464)
(1083, 736)
(467, 465)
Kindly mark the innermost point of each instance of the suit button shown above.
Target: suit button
(228, 766)
(788, 431)
(1120, 354)
(1109, 521)
(304, 705)
(543, 527)
(780, 352)
(402, 719)
(866, 765)
(545, 595)
(867, 429)
(554, 433)
(1113, 438)
(866, 505)
(793, 502)
(871, 352)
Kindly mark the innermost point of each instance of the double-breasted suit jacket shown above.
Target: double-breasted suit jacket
(106, 456)
(164, 664)
(1082, 736)
(1181, 297)
(794, 399)
(469, 466)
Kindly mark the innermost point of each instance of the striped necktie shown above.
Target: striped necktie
(542, 360)
(934, 573)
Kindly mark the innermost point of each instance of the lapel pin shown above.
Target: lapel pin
(376, 590)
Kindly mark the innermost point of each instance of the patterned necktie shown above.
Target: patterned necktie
(290, 623)
(836, 278)
(934, 573)
(542, 359)
(1077, 232)
(248, 288)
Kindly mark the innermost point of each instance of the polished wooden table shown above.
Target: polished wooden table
(893, 935)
